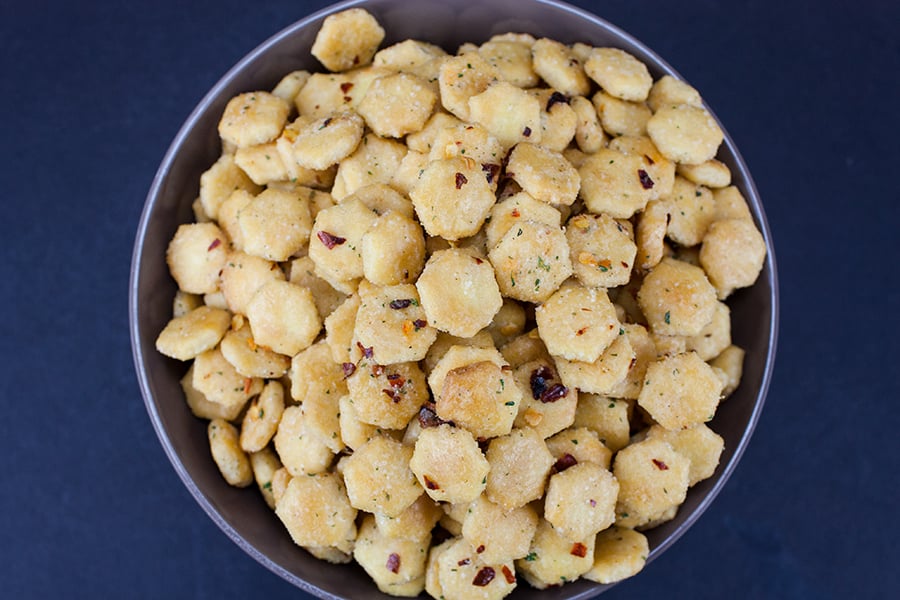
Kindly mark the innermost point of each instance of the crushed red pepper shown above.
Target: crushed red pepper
(660, 465)
(646, 182)
(509, 575)
(579, 550)
(431, 485)
(538, 381)
(393, 562)
(215, 244)
(401, 303)
(461, 180)
(484, 576)
(554, 393)
(330, 240)
(349, 369)
(564, 462)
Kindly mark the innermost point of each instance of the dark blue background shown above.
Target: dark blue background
(91, 95)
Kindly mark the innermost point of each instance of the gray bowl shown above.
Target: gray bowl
(241, 513)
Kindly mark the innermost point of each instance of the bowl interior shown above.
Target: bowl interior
(241, 513)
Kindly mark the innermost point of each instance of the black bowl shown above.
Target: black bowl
(241, 513)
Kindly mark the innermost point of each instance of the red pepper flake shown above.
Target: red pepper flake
(579, 550)
(346, 87)
(605, 265)
(215, 244)
(431, 485)
(646, 182)
(624, 264)
(478, 261)
(347, 99)
(593, 503)
(420, 323)
(393, 395)
(348, 368)
(247, 383)
(515, 213)
(463, 562)
(556, 97)
(564, 462)
(649, 160)
(484, 576)
(393, 563)
(538, 381)
(480, 549)
(509, 575)
(325, 123)
(660, 465)
(367, 352)
(329, 240)
(554, 393)
(491, 171)
(527, 132)
(377, 370)
(396, 380)
(581, 331)
(460, 180)
(401, 303)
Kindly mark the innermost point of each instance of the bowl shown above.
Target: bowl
(241, 513)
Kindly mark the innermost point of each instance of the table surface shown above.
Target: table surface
(92, 94)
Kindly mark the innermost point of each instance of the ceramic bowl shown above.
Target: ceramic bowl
(241, 513)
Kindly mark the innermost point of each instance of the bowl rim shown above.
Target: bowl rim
(164, 169)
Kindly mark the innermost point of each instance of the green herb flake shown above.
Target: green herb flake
(543, 265)
(668, 318)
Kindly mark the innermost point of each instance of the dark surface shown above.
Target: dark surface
(93, 93)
